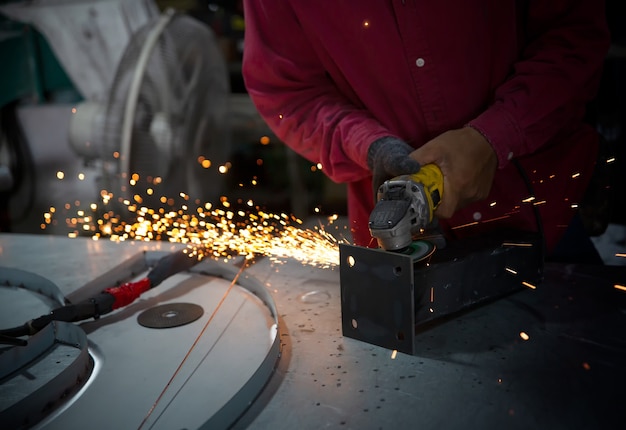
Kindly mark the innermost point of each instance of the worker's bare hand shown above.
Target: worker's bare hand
(468, 163)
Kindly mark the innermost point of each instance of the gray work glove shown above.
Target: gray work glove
(387, 158)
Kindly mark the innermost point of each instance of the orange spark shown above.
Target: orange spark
(214, 232)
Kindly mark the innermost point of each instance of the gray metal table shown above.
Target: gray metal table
(547, 358)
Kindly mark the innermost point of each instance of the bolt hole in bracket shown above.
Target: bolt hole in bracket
(386, 296)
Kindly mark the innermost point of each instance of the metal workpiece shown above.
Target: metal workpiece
(386, 296)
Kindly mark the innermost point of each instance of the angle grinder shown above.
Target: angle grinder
(405, 208)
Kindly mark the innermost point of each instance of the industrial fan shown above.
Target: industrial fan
(162, 133)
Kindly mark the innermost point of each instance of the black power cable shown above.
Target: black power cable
(104, 302)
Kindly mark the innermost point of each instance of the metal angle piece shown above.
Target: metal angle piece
(377, 296)
(386, 296)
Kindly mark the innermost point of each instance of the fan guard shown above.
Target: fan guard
(165, 114)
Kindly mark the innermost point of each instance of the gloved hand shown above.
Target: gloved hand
(468, 163)
(387, 158)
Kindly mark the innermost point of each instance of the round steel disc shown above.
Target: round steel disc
(170, 315)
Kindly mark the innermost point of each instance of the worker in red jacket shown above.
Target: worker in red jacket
(488, 90)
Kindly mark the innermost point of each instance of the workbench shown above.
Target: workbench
(550, 358)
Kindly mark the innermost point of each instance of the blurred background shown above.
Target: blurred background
(97, 95)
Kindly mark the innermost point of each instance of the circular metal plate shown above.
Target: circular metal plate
(170, 315)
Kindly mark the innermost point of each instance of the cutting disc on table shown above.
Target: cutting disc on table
(419, 250)
(170, 315)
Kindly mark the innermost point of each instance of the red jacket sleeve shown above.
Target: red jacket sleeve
(292, 92)
(558, 73)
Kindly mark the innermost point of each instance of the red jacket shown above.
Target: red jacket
(331, 76)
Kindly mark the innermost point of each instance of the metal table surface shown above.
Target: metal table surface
(552, 358)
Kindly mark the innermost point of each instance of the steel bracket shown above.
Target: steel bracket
(385, 296)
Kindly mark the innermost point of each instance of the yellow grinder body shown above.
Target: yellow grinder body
(405, 206)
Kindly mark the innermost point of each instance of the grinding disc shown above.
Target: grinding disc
(170, 315)
(419, 250)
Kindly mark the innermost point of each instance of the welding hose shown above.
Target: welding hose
(108, 300)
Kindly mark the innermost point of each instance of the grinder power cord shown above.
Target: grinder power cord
(103, 303)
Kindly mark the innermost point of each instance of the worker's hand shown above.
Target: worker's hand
(389, 157)
(468, 163)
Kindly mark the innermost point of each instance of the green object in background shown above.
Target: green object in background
(18, 74)
(52, 73)
(29, 70)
